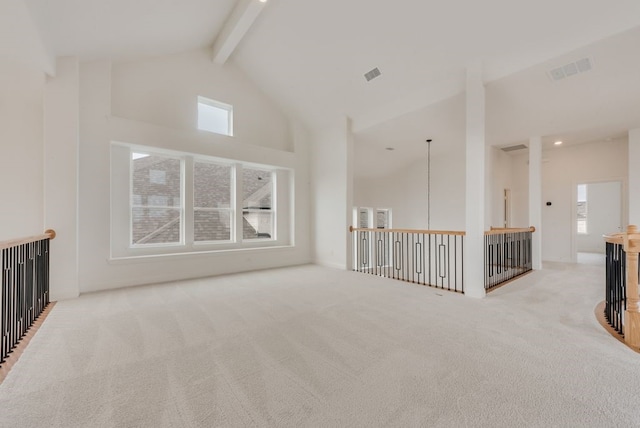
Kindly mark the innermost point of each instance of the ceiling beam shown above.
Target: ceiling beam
(239, 22)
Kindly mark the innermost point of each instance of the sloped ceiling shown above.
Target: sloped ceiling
(312, 54)
(599, 105)
(310, 57)
(99, 29)
(20, 37)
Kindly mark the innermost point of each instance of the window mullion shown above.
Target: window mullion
(274, 203)
(188, 200)
(237, 202)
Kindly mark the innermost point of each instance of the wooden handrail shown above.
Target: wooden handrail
(48, 234)
(493, 231)
(502, 230)
(614, 238)
(423, 232)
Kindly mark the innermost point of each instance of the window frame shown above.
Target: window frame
(232, 201)
(586, 210)
(132, 206)
(271, 210)
(386, 212)
(228, 108)
(121, 248)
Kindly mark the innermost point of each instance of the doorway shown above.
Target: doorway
(598, 212)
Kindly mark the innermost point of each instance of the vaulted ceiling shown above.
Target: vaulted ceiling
(311, 56)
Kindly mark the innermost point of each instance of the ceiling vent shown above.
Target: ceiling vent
(514, 148)
(581, 66)
(372, 74)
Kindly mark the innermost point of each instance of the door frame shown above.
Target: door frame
(624, 210)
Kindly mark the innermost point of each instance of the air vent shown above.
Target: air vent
(513, 148)
(581, 66)
(372, 74)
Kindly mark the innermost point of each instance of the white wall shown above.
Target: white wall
(409, 206)
(21, 42)
(21, 139)
(331, 170)
(447, 190)
(153, 103)
(562, 169)
(163, 91)
(61, 125)
(634, 177)
(405, 192)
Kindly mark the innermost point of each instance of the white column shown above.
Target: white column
(332, 189)
(535, 198)
(61, 128)
(634, 177)
(350, 178)
(475, 185)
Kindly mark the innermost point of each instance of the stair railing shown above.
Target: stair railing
(24, 291)
(622, 302)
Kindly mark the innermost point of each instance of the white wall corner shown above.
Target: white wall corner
(535, 198)
(634, 177)
(475, 183)
(61, 147)
(330, 180)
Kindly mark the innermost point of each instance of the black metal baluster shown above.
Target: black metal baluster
(406, 267)
(455, 262)
(448, 252)
(462, 260)
(3, 306)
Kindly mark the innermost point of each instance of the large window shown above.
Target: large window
(166, 202)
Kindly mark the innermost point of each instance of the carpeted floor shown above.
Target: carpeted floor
(310, 346)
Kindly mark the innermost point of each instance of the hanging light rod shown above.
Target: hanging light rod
(429, 184)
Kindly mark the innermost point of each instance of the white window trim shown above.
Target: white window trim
(274, 218)
(222, 106)
(586, 219)
(121, 248)
(232, 201)
(132, 205)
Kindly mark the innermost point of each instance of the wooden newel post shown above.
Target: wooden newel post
(632, 314)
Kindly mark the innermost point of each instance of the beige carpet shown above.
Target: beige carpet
(310, 346)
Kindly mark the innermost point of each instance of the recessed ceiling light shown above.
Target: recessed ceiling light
(390, 149)
(557, 143)
(263, 1)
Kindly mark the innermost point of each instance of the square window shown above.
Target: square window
(214, 116)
